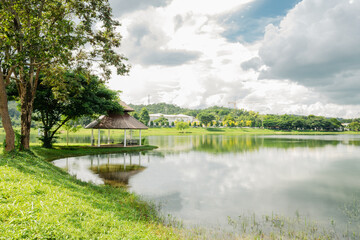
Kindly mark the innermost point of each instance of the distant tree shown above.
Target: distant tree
(161, 121)
(336, 124)
(151, 123)
(299, 123)
(136, 116)
(181, 126)
(205, 117)
(354, 126)
(144, 116)
(271, 121)
(224, 112)
(173, 124)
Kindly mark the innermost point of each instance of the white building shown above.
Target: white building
(172, 118)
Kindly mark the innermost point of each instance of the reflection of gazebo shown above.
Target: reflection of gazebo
(117, 121)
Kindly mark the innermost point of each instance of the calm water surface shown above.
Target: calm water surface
(204, 179)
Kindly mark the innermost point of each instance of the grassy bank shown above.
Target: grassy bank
(40, 201)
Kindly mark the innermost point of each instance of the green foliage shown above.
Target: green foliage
(290, 122)
(161, 121)
(159, 108)
(242, 118)
(82, 97)
(49, 36)
(47, 32)
(181, 126)
(354, 126)
(136, 116)
(144, 116)
(205, 117)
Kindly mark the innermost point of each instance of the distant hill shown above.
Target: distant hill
(160, 108)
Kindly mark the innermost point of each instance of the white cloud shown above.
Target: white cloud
(317, 45)
(198, 67)
(206, 7)
(179, 55)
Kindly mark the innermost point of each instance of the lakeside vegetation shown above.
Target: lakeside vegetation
(39, 200)
(83, 136)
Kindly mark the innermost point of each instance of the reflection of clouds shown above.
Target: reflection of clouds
(206, 186)
(268, 180)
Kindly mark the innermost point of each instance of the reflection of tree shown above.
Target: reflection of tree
(244, 143)
(223, 144)
(286, 143)
(354, 142)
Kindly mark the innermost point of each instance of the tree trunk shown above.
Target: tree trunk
(5, 117)
(27, 101)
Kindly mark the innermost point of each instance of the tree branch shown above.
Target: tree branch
(63, 122)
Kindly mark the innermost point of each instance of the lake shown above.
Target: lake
(203, 180)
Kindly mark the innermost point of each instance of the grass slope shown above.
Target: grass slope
(41, 201)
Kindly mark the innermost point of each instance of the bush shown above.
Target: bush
(181, 126)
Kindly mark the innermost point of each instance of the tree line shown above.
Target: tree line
(222, 116)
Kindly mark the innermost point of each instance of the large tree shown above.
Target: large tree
(45, 36)
(82, 97)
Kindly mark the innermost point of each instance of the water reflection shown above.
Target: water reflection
(205, 179)
(246, 143)
(110, 169)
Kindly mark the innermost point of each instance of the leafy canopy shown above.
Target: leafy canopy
(83, 97)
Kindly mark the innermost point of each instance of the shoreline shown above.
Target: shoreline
(40, 200)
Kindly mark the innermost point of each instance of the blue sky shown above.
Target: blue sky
(249, 24)
(270, 56)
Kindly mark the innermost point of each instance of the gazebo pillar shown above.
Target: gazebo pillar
(98, 137)
(140, 137)
(125, 138)
(92, 137)
(108, 136)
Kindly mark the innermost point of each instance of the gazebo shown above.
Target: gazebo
(117, 121)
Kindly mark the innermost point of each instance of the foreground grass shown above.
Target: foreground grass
(41, 201)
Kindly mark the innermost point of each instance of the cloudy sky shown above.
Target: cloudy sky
(271, 56)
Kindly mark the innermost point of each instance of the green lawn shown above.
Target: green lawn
(41, 201)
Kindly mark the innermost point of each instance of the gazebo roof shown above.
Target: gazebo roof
(117, 121)
(126, 107)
